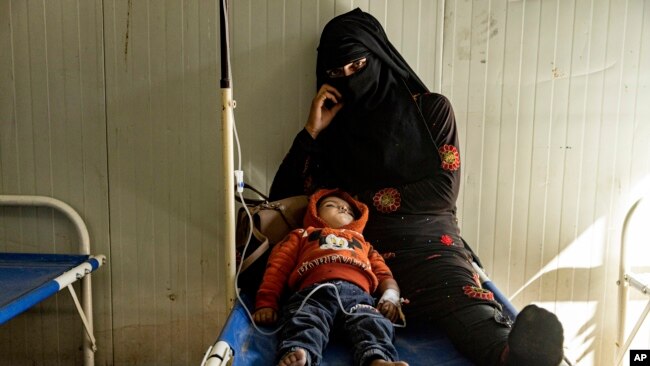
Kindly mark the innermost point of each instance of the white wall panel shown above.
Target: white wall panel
(53, 143)
(163, 140)
(547, 94)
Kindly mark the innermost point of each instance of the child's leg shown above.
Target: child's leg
(369, 332)
(309, 329)
(371, 336)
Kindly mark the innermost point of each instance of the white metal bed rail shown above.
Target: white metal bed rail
(626, 280)
(86, 310)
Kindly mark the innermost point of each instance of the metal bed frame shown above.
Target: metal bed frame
(629, 279)
(50, 272)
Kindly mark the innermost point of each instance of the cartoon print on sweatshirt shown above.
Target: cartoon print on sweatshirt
(333, 241)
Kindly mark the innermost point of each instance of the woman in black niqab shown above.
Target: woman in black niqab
(385, 138)
(380, 133)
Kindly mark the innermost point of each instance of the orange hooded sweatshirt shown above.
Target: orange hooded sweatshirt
(317, 254)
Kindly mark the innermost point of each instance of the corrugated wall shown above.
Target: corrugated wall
(53, 142)
(163, 163)
(113, 107)
(551, 97)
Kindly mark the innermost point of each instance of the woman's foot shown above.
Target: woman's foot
(297, 357)
(536, 339)
(387, 363)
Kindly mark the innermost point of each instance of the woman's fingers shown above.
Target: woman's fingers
(326, 92)
(326, 88)
(321, 97)
(320, 114)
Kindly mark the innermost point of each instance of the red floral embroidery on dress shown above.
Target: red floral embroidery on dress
(478, 293)
(387, 200)
(446, 240)
(450, 157)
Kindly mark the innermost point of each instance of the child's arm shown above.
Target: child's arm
(281, 262)
(389, 304)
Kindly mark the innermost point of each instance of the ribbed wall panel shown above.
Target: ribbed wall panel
(164, 162)
(113, 107)
(53, 143)
(548, 95)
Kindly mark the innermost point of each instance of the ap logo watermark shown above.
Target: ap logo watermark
(639, 357)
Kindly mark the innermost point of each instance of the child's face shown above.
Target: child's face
(336, 212)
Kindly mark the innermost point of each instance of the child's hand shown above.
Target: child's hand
(265, 316)
(389, 304)
(389, 310)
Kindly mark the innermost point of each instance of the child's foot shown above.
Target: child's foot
(297, 357)
(387, 363)
(536, 338)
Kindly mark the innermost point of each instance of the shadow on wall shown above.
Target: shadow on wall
(588, 267)
(579, 311)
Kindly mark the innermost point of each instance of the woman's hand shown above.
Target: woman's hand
(265, 316)
(320, 115)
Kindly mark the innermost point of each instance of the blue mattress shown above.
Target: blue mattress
(415, 345)
(27, 279)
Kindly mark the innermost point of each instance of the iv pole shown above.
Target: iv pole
(228, 197)
(219, 353)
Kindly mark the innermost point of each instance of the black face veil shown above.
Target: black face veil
(379, 138)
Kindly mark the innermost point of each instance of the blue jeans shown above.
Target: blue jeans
(369, 332)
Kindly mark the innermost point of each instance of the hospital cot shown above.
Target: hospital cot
(26, 279)
(240, 344)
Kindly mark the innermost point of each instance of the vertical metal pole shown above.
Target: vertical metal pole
(228, 198)
(623, 270)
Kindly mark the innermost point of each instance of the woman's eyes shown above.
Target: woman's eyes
(354, 66)
(335, 73)
(358, 64)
